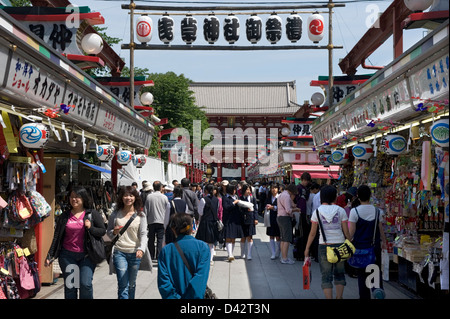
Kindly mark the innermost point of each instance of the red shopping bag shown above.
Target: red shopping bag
(306, 273)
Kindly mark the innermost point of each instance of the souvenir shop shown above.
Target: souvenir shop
(392, 134)
(56, 123)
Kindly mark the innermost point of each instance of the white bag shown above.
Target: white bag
(243, 203)
(266, 217)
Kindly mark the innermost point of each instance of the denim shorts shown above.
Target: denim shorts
(329, 270)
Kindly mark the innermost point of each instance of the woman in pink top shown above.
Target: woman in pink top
(284, 220)
(69, 244)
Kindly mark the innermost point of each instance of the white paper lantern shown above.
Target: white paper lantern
(325, 159)
(253, 26)
(124, 157)
(231, 29)
(294, 27)
(165, 29)
(418, 5)
(34, 135)
(106, 152)
(92, 43)
(211, 29)
(339, 156)
(146, 98)
(439, 131)
(315, 24)
(285, 131)
(362, 151)
(144, 29)
(189, 29)
(393, 144)
(273, 28)
(139, 160)
(317, 99)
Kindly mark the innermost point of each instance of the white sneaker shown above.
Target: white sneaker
(287, 261)
(230, 258)
(273, 257)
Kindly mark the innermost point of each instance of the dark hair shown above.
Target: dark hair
(209, 189)
(129, 190)
(181, 224)
(185, 182)
(177, 191)
(364, 193)
(83, 193)
(244, 189)
(314, 186)
(230, 189)
(157, 186)
(306, 176)
(328, 194)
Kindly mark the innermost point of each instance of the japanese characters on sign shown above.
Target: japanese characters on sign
(83, 108)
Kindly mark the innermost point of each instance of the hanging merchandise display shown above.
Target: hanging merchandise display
(34, 135)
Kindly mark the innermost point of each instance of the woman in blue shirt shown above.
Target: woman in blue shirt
(174, 279)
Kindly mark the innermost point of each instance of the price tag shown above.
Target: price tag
(19, 252)
(26, 251)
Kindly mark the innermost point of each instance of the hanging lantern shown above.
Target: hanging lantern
(211, 29)
(439, 131)
(146, 98)
(325, 159)
(165, 29)
(106, 152)
(124, 157)
(34, 135)
(231, 29)
(189, 29)
(273, 28)
(254, 29)
(362, 151)
(339, 156)
(317, 99)
(139, 160)
(144, 29)
(92, 43)
(393, 144)
(294, 27)
(285, 131)
(315, 25)
(418, 5)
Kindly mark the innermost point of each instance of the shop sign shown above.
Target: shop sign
(82, 108)
(116, 124)
(3, 61)
(301, 157)
(431, 81)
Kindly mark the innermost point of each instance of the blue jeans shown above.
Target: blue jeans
(127, 266)
(78, 272)
(329, 270)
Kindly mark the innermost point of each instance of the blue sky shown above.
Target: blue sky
(303, 66)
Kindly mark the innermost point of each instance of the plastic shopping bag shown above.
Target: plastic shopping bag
(266, 217)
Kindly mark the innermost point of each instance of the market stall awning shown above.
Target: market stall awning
(316, 171)
(96, 167)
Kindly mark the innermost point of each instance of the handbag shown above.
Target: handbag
(266, 217)
(209, 294)
(336, 254)
(364, 257)
(95, 246)
(109, 246)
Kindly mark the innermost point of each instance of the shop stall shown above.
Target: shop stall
(392, 134)
(52, 116)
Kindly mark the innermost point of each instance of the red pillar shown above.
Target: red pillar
(397, 35)
(219, 172)
(243, 172)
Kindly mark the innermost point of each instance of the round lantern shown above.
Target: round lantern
(285, 131)
(34, 135)
(92, 43)
(362, 151)
(144, 29)
(146, 98)
(165, 29)
(106, 152)
(294, 27)
(317, 99)
(339, 156)
(211, 29)
(139, 160)
(124, 157)
(231, 29)
(325, 159)
(254, 29)
(315, 25)
(418, 5)
(439, 131)
(393, 144)
(189, 29)
(273, 28)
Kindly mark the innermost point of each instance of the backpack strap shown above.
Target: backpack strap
(321, 226)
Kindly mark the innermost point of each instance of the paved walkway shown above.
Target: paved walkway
(259, 278)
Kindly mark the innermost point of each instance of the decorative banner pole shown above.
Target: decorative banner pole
(132, 6)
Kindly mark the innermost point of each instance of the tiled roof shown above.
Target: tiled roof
(246, 98)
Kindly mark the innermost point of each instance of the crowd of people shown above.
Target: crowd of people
(179, 227)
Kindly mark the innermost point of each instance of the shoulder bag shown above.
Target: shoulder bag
(95, 246)
(364, 257)
(208, 292)
(109, 246)
(336, 254)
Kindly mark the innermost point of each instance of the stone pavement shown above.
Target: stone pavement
(259, 278)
